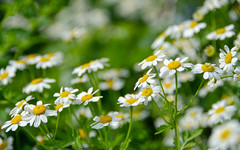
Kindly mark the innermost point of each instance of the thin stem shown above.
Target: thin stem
(76, 119)
(58, 117)
(160, 82)
(177, 142)
(161, 114)
(222, 77)
(46, 128)
(106, 137)
(195, 95)
(35, 138)
(44, 133)
(129, 128)
(70, 116)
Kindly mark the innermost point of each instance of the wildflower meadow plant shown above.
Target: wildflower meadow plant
(183, 94)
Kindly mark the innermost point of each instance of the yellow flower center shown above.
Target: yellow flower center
(120, 116)
(86, 97)
(16, 119)
(193, 114)
(65, 94)
(151, 58)
(207, 68)
(83, 135)
(209, 51)
(58, 106)
(174, 65)
(228, 58)
(193, 24)
(21, 61)
(220, 110)
(161, 35)
(39, 109)
(131, 100)
(44, 59)
(225, 134)
(199, 15)
(110, 83)
(3, 75)
(239, 76)
(36, 81)
(21, 103)
(85, 65)
(3, 145)
(220, 31)
(144, 78)
(168, 85)
(147, 92)
(51, 55)
(105, 119)
(30, 56)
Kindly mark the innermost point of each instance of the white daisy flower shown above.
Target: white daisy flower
(113, 84)
(38, 85)
(169, 49)
(169, 85)
(38, 113)
(49, 60)
(19, 106)
(222, 33)
(225, 135)
(86, 97)
(6, 144)
(102, 121)
(187, 123)
(145, 80)
(113, 73)
(221, 111)
(200, 13)
(152, 60)
(236, 76)
(124, 118)
(82, 69)
(129, 100)
(159, 40)
(209, 71)
(195, 113)
(7, 74)
(227, 60)
(14, 123)
(193, 27)
(209, 87)
(148, 93)
(59, 106)
(84, 112)
(209, 51)
(186, 76)
(214, 4)
(18, 64)
(74, 33)
(32, 59)
(65, 95)
(99, 64)
(79, 80)
(172, 66)
(237, 40)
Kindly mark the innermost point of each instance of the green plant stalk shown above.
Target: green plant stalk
(195, 95)
(106, 137)
(76, 119)
(44, 133)
(35, 139)
(161, 114)
(177, 142)
(70, 116)
(129, 128)
(58, 117)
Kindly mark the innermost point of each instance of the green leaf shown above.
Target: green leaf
(195, 133)
(189, 145)
(162, 128)
(185, 135)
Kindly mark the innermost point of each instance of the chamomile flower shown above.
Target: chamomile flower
(7, 74)
(6, 144)
(38, 113)
(171, 67)
(99, 64)
(152, 60)
(79, 80)
(113, 73)
(49, 60)
(221, 111)
(148, 93)
(113, 84)
(209, 51)
(200, 13)
(18, 64)
(159, 40)
(129, 100)
(145, 80)
(227, 59)
(124, 118)
(65, 94)
(32, 59)
(209, 71)
(187, 123)
(169, 85)
(193, 27)
(19, 106)
(102, 121)
(222, 33)
(236, 76)
(86, 97)
(59, 106)
(14, 123)
(214, 4)
(225, 135)
(195, 113)
(82, 69)
(38, 85)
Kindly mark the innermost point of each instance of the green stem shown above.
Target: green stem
(106, 137)
(161, 114)
(55, 133)
(195, 95)
(177, 142)
(129, 128)
(35, 139)
(70, 117)
(222, 77)
(77, 119)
